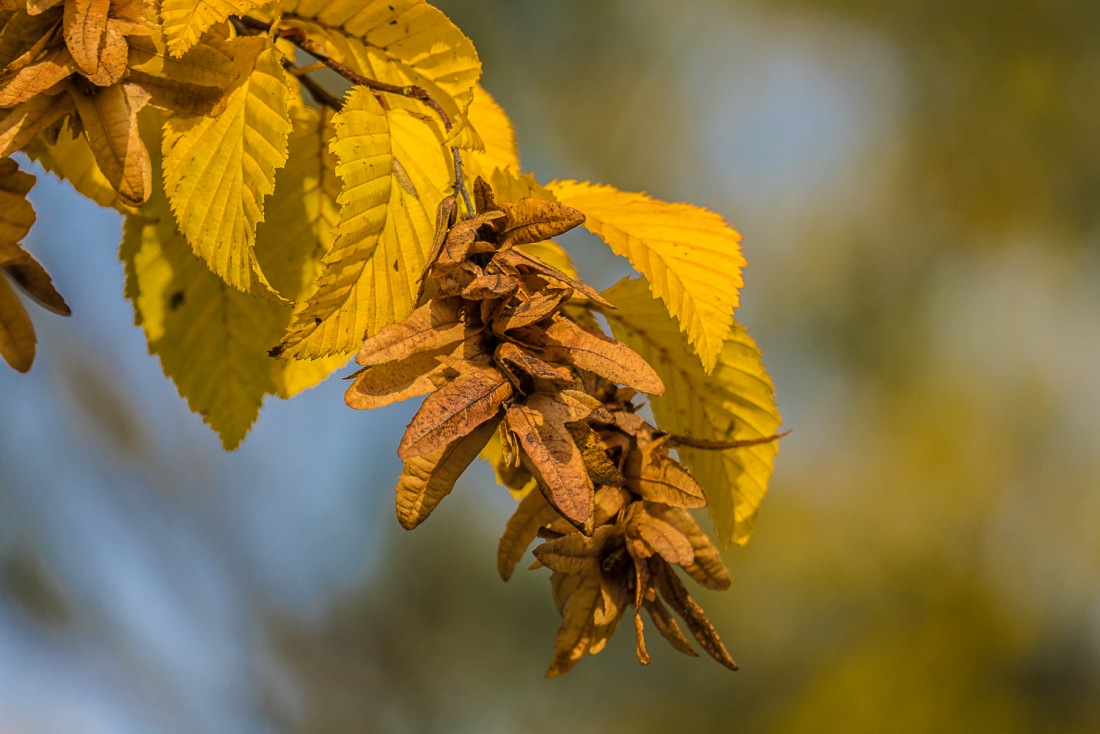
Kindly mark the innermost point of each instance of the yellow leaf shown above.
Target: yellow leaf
(511, 185)
(205, 65)
(218, 170)
(334, 319)
(186, 20)
(498, 137)
(734, 402)
(690, 256)
(385, 232)
(402, 42)
(297, 233)
(211, 339)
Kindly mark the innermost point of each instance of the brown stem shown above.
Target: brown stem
(709, 444)
(317, 92)
(299, 38)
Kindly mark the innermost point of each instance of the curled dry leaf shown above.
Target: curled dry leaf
(436, 324)
(553, 458)
(533, 220)
(657, 478)
(455, 410)
(428, 478)
(706, 567)
(659, 537)
(673, 591)
(612, 360)
(85, 26)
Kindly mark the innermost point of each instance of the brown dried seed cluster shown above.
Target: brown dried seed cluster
(495, 348)
(641, 530)
(95, 63)
(498, 349)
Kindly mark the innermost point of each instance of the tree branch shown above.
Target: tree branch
(325, 98)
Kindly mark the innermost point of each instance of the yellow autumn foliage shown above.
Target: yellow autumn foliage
(690, 256)
(734, 402)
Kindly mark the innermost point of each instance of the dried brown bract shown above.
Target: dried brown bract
(641, 530)
(498, 347)
(494, 348)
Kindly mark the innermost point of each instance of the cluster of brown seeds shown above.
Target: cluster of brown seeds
(498, 347)
(95, 63)
(641, 529)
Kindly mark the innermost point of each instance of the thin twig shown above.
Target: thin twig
(710, 444)
(299, 38)
(460, 185)
(317, 92)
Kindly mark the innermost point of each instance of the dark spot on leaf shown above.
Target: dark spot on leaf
(395, 268)
(317, 320)
(275, 351)
(175, 300)
(393, 22)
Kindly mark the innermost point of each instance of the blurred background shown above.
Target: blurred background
(917, 184)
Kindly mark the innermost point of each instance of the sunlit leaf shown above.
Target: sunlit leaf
(297, 232)
(734, 402)
(211, 339)
(218, 170)
(690, 256)
(401, 42)
(496, 132)
(370, 277)
(185, 20)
